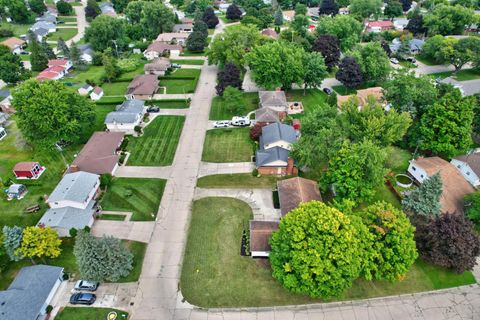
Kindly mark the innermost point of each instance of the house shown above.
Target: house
(48, 17)
(64, 63)
(54, 73)
(362, 97)
(378, 26)
(173, 38)
(266, 116)
(142, 87)
(49, 26)
(270, 33)
(469, 167)
(223, 7)
(5, 101)
(288, 15)
(28, 170)
(76, 190)
(85, 89)
(40, 33)
(275, 100)
(127, 116)
(260, 234)
(295, 191)
(64, 219)
(158, 49)
(272, 157)
(86, 52)
(183, 27)
(16, 191)
(312, 12)
(344, 10)
(30, 293)
(107, 9)
(416, 45)
(14, 44)
(3, 133)
(455, 187)
(158, 66)
(96, 94)
(400, 23)
(100, 154)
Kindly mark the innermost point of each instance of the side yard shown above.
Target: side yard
(181, 81)
(90, 313)
(228, 145)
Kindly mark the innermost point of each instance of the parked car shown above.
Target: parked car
(240, 121)
(411, 59)
(176, 65)
(221, 124)
(394, 60)
(86, 285)
(83, 298)
(153, 109)
(327, 91)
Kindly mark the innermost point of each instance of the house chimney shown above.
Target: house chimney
(290, 166)
(73, 168)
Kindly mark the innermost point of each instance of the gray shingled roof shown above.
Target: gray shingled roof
(266, 115)
(132, 106)
(272, 98)
(276, 132)
(43, 25)
(40, 32)
(473, 161)
(27, 294)
(74, 187)
(67, 217)
(127, 112)
(264, 157)
(86, 49)
(48, 17)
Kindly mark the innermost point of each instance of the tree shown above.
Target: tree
(233, 45)
(459, 52)
(363, 9)
(276, 64)
(64, 8)
(233, 100)
(300, 8)
(11, 66)
(47, 49)
(300, 24)
(373, 60)
(393, 244)
(233, 12)
(386, 48)
(229, 76)
(156, 18)
(448, 20)
(133, 11)
(349, 73)
(38, 57)
(344, 27)
(110, 65)
(92, 10)
(315, 70)
(472, 204)
(63, 48)
(251, 20)
(415, 25)
(103, 30)
(120, 5)
(17, 10)
(48, 112)
(327, 45)
(357, 170)
(328, 8)
(196, 41)
(446, 126)
(75, 55)
(425, 200)
(40, 242)
(432, 47)
(278, 19)
(317, 250)
(102, 259)
(12, 240)
(256, 131)
(403, 51)
(448, 240)
(406, 4)
(210, 18)
(201, 27)
(393, 9)
(37, 6)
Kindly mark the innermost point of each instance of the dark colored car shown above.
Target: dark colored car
(83, 298)
(153, 109)
(83, 285)
(327, 91)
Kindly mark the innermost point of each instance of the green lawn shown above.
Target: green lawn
(311, 99)
(115, 88)
(181, 81)
(101, 112)
(113, 217)
(65, 33)
(462, 75)
(157, 145)
(77, 78)
(187, 53)
(17, 29)
(170, 104)
(228, 145)
(188, 61)
(137, 195)
(66, 19)
(219, 112)
(215, 275)
(427, 61)
(398, 159)
(238, 180)
(138, 249)
(89, 313)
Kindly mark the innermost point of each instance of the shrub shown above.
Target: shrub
(138, 129)
(124, 144)
(73, 232)
(255, 172)
(64, 8)
(49, 308)
(256, 131)
(105, 180)
(6, 33)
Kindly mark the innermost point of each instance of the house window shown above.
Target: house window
(458, 166)
(468, 173)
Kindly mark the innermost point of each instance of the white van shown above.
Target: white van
(240, 121)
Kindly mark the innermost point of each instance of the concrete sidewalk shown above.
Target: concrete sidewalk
(210, 168)
(143, 172)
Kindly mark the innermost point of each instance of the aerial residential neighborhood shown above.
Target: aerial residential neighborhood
(187, 159)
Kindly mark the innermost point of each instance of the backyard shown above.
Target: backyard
(65, 33)
(137, 195)
(157, 145)
(115, 88)
(219, 112)
(228, 145)
(215, 275)
(90, 313)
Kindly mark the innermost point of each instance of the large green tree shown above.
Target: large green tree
(48, 112)
(277, 64)
(315, 70)
(37, 6)
(156, 18)
(12, 240)
(39, 242)
(11, 66)
(373, 60)
(346, 28)
(104, 32)
(16, 10)
(196, 41)
(459, 52)
(317, 250)
(38, 57)
(363, 9)
(393, 9)
(448, 20)
(425, 200)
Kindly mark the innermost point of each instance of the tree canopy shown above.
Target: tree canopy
(346, 28)
(328, 7)
(103, 31)
(349, 73)
(373, 60)
(229, 76)
(233, 12)
(425, 200)
(12, 240)
(11, 66)
(448, 20)
(328, 46)
(363, 9)
(40, 242)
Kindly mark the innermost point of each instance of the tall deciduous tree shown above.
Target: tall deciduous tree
(12, 240)
(393, 9)
(448, 20)
(17, 10)
(92, 10)
(110, 65)
(328, 8)
(315, 70)
(210, 18)
(327, 45)
(233, 100)
(317, 250)
(366, 8)
(39, 242)
(459, 52)
(102, 259)
(346, 28)
(406, 4)
(425, 200)
(233, 12)
(104, 32)
(64, 8)
(373, 60)
(300, 8)
(349, 73)
(229, 76)
(120, 5)
(278, 18)
(156, 18)
(196, 41)
(37, 6)
(11, 67)
(415, 25)
(48, 112)
(472, 204)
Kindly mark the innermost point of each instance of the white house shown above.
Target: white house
(260, 234)
(96, 94)
(127, 116)
(85, 89)
(400, 23)
(469, 167)
(87, 52)
(76, 190)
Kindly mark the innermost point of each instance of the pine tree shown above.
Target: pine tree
(38, 58)
(48, 50)
(12, 240)
(62, 47)
(75, 55)
(278, 17)
(404, 50)
(425, 200)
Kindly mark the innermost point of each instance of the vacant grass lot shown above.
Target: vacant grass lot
(115, 88)
(157, 145)
(238, 180)
(90, 313)
(169, 104)
(137, 195)
(228, 145)
(64, 33)
(181, 81)
(189, 61)
(219, 112)
(215, 275)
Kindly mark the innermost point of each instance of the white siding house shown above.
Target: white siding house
(469, 167)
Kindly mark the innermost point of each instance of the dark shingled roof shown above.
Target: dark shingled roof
(473, 161)
(260, 233)
(295, 191)
(266, 157)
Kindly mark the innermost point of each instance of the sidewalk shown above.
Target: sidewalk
(143, 172)
(210, 168)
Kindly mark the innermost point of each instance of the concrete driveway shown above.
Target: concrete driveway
(128, 230)
(210, 168)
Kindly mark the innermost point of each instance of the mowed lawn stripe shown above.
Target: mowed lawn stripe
(158, 144)
(228, 145)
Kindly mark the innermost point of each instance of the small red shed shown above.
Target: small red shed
(28, 170)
